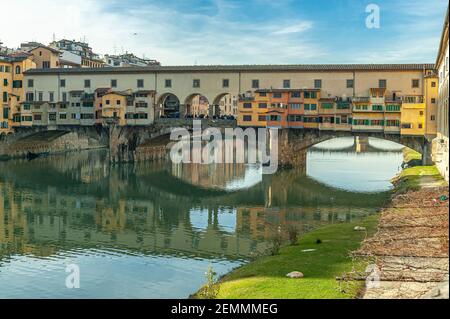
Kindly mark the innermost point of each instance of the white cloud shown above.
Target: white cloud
(158, 32)
(297, 28)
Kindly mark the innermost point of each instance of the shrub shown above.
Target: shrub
(293, 235)
(210, 290)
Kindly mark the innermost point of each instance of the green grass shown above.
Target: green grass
(415, 177)
(410, 155)
(266, 278)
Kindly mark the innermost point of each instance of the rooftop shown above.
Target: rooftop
(238, 68)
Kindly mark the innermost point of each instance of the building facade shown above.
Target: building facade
(128, 60)
(339, 97)
(440, 147)
(12, 68)
(394, 102)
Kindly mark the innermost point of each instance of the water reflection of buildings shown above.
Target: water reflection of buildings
(78, 201)
(207, 176)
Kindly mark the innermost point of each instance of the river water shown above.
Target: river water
(151, 230)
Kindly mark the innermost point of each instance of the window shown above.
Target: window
(52, 116)
(225, 83)
(46, 64)
(327, 105)
(62, 83)
(415, 83)
(117, 102)
(247, 118)
(29, 96)
(247, 105)
(262, 105)
(62, 116)
(295, 106)
(5, 96)
(113, 83)
(263, 94)
(196, 83)
(420, 126)
(295, 94)
(140, 83)
(64, 96)
(40, 96)
(30, 83)
(433, 84)
(382, 83)
(433, 118)
(317, 84)
(433, 100)
(168, 83)
(37, 117)
(350, 84)
(87, 83)
(392, 123)
(377, 107)
(310, 95)
(407, 125)
(17, 69)
(107, 102)
(51, 96)
(286, 84)
(262, 118)
(5, 82)
(17, 84)
(275, 118)
(392, 108)
(295, 118)
(255, 84)
(277, 95)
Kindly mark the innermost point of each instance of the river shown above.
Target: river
(151, 230)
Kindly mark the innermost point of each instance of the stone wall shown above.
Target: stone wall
(35, 144)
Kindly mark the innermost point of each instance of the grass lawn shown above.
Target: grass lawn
(415, 177)
(266, 277)
(411, 155)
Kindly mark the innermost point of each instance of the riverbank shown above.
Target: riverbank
(345, 253)
(411, 247)
(320, 264)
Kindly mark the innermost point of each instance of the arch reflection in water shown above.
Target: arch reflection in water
(142, 230)
(355, 164)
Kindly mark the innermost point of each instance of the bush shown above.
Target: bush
(275, 244)
(293, 235)
(210, 290)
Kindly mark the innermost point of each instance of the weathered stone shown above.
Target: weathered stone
(295, 274)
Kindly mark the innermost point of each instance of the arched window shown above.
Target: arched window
(17, 69)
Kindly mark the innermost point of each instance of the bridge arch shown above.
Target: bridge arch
(291, 142)
(196, 104)
(168, 105)
(225, 108)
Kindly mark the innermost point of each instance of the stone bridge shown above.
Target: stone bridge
(138, 143)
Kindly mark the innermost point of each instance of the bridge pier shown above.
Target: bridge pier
(426, 153)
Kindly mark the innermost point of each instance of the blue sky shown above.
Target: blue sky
(237, 31)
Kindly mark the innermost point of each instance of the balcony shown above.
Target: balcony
(86, 97)
(361, 99)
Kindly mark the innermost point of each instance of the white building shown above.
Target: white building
(440, 151)
(128, 60)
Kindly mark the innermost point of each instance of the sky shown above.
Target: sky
(203, 32)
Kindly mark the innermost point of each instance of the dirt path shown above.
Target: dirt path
(411, 248)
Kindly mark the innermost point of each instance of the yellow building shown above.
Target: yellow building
(114, 105)
(11, 87)
(252, 109)
(431, 100)
(413, 115)
(46, 57)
